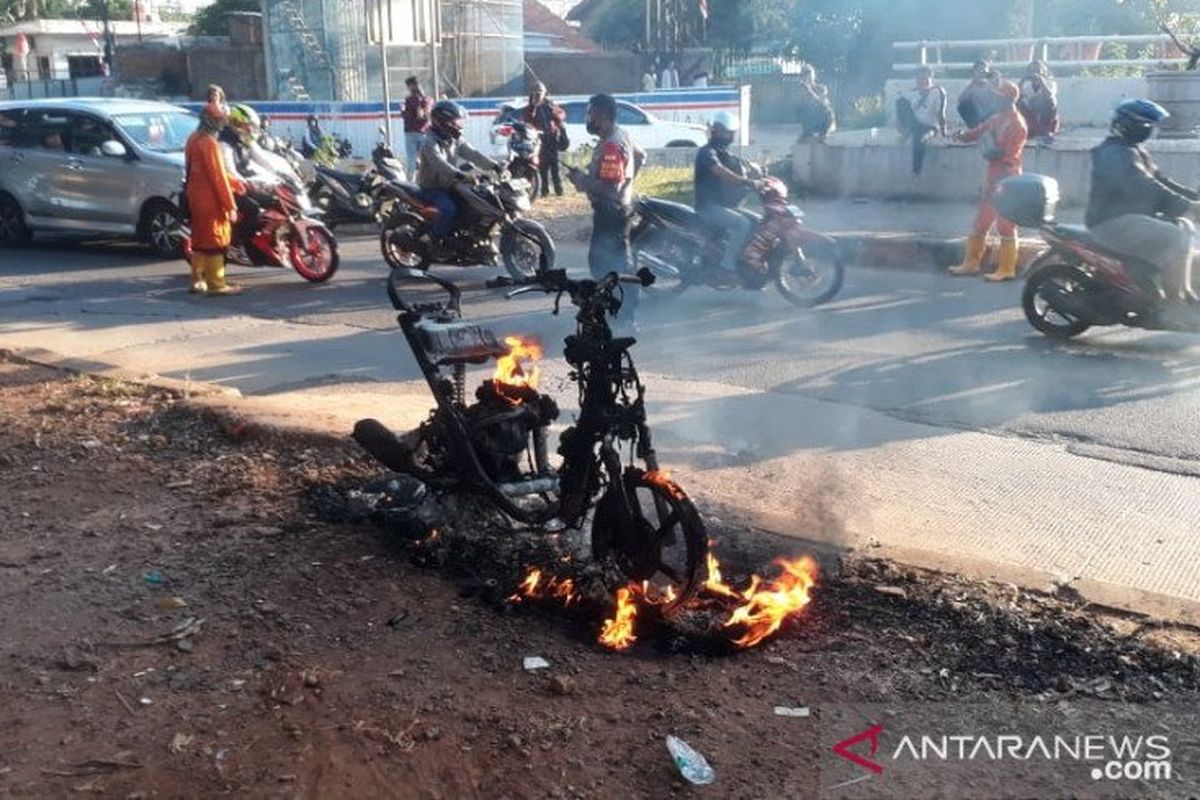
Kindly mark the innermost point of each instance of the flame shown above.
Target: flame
(656, 596)
(535, 588)
(767, 607)
(510, 369)
(618, 631)
(715, 583)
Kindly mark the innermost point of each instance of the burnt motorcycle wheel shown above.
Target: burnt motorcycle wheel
(403, 249)
(668, 546)
(810, 276)
(1046, 279)
(314, 254)
(526, 249)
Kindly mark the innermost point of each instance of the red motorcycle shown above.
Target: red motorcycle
(284, 235)
(673, 242)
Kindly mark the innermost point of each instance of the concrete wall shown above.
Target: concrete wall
(857, 165)
(1083, 102)
(586, 73)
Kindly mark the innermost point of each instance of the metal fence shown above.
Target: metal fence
(1064, 54)
(57, 87)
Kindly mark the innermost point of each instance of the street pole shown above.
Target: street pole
(435, 35)
(108, 40)
(387, 78)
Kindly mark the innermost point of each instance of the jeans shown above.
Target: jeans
(412, 146)
(609, 251)
(549, 168)
(919, 131)
(447, 216)
(736, 226)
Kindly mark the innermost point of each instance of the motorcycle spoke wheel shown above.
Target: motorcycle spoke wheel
(667, 551)
(313, 254)
(1039, 308)
(808, 279)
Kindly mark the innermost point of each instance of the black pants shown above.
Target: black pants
(549, 168)
(609, 252)
(248, 210)
(920, 133)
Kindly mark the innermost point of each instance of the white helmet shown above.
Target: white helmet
(725, 121)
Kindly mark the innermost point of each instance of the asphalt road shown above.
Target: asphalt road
(916, 411)
(910, 344)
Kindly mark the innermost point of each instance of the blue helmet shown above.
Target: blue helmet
(1135, 120)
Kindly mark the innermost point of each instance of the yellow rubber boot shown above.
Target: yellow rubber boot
(976, 245)
(198, 286)
(214, 276)
(1010, 252)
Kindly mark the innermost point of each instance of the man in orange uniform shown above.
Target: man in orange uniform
(1002, 139)
(210, 197)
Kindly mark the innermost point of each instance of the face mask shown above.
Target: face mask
(593, 126)
(721, 139)
(1139, 135)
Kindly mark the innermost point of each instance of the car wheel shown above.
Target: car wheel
(160, 228)
(13, 230)
(681, 143)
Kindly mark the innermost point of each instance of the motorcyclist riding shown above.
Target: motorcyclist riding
(721, 185)
(1134, 209)
(440, 174)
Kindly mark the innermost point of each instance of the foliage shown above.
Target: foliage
(214, 20)
(327, 153)
(68, 9)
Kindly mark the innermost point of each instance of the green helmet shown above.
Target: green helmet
(243, 116)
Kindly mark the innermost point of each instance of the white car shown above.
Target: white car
(647, 130)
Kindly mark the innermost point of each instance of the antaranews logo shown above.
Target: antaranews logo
(1127, 757)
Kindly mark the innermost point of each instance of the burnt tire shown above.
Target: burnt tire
(13, 230)
(1047, 276)
(669, 546)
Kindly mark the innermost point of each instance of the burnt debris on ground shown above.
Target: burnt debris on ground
(184, 612)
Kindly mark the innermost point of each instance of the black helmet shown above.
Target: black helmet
(448, 119)
(1135, 120)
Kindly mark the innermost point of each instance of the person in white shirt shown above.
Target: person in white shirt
(921, 114)
(700, 81)
(669, 78)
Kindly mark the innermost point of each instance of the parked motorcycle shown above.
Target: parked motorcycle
(385, 162)
(408, 242)
(1079, 283)
(644, 527)
(344, 198)
(672, 241)
(284, 236)
(524, 151)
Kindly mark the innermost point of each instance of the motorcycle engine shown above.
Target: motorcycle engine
(504, 422)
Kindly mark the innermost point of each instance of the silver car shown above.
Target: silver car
(92, 166)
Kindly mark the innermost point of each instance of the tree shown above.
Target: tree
(214, 20)
(35, 9)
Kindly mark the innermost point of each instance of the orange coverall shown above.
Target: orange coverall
(1010, 133)
(209, 194)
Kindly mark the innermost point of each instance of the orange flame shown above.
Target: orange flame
(715, 582)
(618, 631)
(535, 588)
(510, 369)
(766, 608)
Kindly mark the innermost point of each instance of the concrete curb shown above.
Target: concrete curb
(245, 417)
(918, 251)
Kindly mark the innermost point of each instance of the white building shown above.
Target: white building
(71, 48)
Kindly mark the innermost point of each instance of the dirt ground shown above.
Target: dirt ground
(179, 618)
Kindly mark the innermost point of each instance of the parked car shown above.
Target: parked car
(92, 166)
(646, 129)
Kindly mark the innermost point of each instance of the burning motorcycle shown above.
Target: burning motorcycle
(408, 241)
(284, 236)
(644, 527)
(1078, 283)
(673, 242)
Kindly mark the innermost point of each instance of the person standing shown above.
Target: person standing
(547, 117)
(416, 122)
(1002, 140)
(211, 204)
(1039, 102)
(648, 82)
(608, 184)
(670, 77)
(816, 109)
(921, 114)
